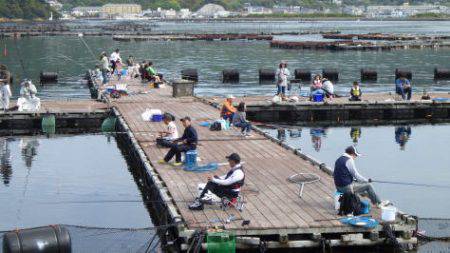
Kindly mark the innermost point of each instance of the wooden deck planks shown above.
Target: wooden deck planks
(271, 201)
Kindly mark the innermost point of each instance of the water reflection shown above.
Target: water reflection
(5, 160)
(29, 149)
(355, 134)
(316, 137)
(281, 134)
(402, 135)
(295, 133)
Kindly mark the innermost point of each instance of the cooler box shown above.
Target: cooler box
(318, 97)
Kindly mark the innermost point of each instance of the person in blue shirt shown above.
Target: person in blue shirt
(403, 88)
(189, 142)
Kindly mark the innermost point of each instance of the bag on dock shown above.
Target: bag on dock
(350, 204)
(215, 126)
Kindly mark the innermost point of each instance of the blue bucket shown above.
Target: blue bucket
(365, 206)
(190, 160)
(318, 97)
(157, 117)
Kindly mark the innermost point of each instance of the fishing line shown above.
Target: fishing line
(18, 53)
(87, 46)
(411, 184)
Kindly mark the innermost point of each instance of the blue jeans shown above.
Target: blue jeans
(405, 93)
(245, 126)
(281, 90)
(105, 76)
(228, 117)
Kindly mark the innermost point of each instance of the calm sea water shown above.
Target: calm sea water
(408, 153)
(45, 180)
(70, 58)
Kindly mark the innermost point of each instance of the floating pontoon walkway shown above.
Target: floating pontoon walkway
(376, 108)
(279, 218)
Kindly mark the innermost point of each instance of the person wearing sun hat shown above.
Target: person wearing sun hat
(348, 180)
(228, 185)
(228, 110)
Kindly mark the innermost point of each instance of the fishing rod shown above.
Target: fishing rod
(80, 36)
(411, 184)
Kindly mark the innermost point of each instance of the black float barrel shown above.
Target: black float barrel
(189, 74)
(50, 239)
(302, 74)
(440, 73)
(266, 75)
(230, 76)
(369, 74)
(403, 73)
(330, 74)
(49, 77)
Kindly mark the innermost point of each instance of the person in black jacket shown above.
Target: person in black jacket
(189, 142)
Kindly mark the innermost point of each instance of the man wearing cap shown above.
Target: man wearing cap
(345, 174)
(189, 142)
(228, 109)
(228, 185)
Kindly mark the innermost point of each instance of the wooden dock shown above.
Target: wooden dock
(375, 108)
(70, 116)
(279, 218)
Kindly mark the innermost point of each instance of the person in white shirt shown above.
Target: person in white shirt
(167, 137)
(115, 56)
(5, 89)
(282, 79)
(328, 87)
(228, 185)
(28, 100)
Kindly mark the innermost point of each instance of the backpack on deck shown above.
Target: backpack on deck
(350, 204)
(215, 126)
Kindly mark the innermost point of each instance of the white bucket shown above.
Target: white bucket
(337, 204)
(388, 213)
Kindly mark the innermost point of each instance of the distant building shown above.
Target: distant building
(405, 10)
(286, 9)
(87, 11)
(212, 11)
(121, 9)
(54, 4)
(353, 10)
(250, 9)
(184, 13)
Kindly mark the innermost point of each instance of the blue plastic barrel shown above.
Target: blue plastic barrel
(318, 97)
(191, 159)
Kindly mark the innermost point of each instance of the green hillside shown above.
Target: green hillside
(24, 9)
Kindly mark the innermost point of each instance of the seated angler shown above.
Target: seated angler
(152, 75)
(228, 185)
(228, 110)
(28, 100)
(403, 88)
(348, 180)
(167, 137)
(188, 141)
(355, 92)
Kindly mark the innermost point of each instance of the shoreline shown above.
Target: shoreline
(231, 19)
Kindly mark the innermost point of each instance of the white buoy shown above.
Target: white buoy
(80, 35)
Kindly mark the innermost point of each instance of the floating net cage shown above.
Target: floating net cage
(86, 239)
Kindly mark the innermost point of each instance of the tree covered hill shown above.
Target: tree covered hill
(237, 4)
(24, 9)
(32, 9)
